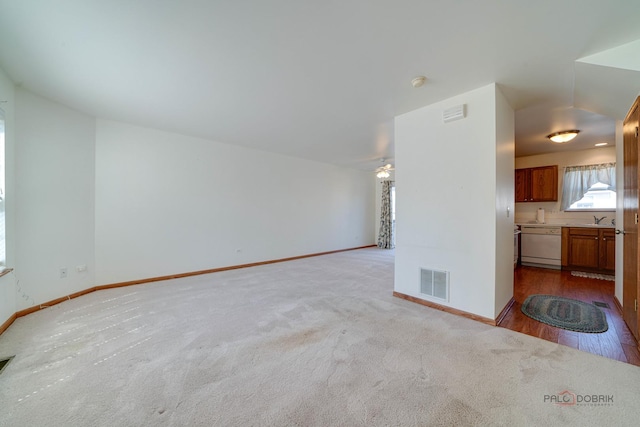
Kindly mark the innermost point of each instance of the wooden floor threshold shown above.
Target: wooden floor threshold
(505, 311)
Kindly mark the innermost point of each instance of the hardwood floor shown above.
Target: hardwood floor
(617, 343)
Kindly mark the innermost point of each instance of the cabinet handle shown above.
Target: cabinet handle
(596, 238)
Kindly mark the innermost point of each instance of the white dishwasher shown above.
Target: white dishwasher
(541, 245)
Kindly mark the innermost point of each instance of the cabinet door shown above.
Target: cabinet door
(523, 185)
(584, 250)
(607, 250)
(544, 184)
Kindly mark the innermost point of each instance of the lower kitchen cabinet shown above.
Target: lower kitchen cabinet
(608, 249)
(591, 249)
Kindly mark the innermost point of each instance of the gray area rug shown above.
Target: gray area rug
(565, 313)
(313, 342)
(594, 275)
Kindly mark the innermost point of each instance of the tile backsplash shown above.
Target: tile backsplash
(527, 212)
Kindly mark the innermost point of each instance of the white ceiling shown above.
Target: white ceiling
(324, 79)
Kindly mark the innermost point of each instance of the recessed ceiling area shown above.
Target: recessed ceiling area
(535, 123)
(324, 80)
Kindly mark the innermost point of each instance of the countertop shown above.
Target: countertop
(591, 225)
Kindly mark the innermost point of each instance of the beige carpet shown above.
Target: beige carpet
(313, 342)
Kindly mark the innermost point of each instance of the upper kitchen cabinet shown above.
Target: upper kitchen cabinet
(523, 185)
(537, 184)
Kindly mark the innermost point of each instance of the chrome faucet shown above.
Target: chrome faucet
(597, 220)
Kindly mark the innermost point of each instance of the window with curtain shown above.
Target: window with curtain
(589, 188)
(386, 235)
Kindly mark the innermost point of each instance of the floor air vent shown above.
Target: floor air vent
(434, 283)
(4, 363)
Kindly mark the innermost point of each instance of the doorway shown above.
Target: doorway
(620, 341)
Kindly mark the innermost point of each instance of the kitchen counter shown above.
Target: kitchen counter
(535, 224)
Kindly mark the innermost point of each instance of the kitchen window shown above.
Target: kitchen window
(589, 188)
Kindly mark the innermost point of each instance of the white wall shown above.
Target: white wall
(54, 199)
(505, 201)
(526, 212)
(167, 203)
(7, 282)
(447, 181)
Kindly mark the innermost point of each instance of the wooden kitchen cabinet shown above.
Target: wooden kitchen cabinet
(591, 249)
(584, 248)
(523, 185)
(544, 184)
(538, 184)
(608, 249)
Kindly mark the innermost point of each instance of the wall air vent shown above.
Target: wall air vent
(434, 283)
(454, 113)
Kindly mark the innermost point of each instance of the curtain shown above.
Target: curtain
(386, 238)
(578, 180)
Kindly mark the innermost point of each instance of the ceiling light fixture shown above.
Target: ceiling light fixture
(564, 136)
(418, 81)
(383, 171)
(383, 174)
(601, 144)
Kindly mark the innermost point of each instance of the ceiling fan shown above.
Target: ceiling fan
(383, 171)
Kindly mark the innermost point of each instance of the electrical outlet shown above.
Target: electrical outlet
(63, 273)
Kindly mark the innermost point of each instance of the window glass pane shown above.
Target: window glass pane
(393, 203)
(597, 197)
